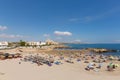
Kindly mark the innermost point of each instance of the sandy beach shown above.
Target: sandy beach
(11, 69)
(59, 40)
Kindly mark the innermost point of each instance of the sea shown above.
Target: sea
(106, 46)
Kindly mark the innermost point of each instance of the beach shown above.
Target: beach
(59, 40)
(18, 69)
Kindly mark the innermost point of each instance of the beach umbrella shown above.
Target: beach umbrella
(111, 64)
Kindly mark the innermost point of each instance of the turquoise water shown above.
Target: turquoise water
(107, 46)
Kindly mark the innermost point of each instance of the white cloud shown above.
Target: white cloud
(46, 35)
(10, 36)
(60, 33)
(82, 20)
(2, 28)
(89, 18)
(76, 41)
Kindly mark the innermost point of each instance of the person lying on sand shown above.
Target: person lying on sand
(99, 65)
(90, 66)
(69, 60)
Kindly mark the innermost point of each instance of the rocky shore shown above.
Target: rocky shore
(101, 50)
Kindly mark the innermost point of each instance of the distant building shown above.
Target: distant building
(51, 42)
(43, 43)
(3, 45)
(37, 44)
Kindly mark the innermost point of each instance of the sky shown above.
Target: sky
(85, 21)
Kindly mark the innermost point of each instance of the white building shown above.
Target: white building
(36, 43)
(43, 43)
(51, 42)
(3, 45)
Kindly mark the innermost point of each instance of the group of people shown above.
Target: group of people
(112, 66)
(4, 56)
(40, 60)
(92, 66)
(93, 61)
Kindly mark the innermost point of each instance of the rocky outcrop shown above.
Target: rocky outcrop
(101, 50)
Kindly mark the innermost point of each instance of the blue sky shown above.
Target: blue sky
(92, 21)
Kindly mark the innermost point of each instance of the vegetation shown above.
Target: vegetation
(10, 44)
(27, 45)
(22, 43)
(13, 44)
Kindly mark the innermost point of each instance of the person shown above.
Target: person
(113, 66)
(99, 65)
(90, 66)
(19, 62)
(78, 60)
(110, 67)
(58, 62)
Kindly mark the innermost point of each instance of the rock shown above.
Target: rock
(101, 50)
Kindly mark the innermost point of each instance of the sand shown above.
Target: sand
(10, 69)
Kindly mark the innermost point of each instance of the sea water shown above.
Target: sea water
(106, 46)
